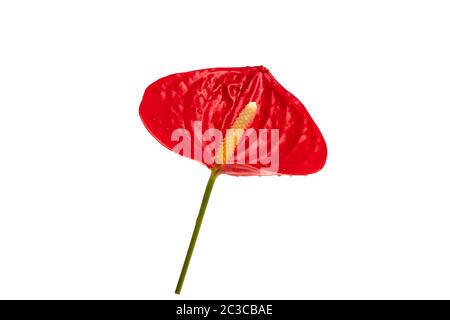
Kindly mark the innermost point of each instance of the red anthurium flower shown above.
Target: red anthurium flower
(237, 121)
(215, 97)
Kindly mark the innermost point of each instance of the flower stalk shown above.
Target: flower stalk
(212, 178)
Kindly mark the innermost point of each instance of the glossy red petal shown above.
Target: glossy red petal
(216, 96)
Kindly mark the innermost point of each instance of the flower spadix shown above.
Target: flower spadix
(234, 134)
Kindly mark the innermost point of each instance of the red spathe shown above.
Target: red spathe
(216, 96)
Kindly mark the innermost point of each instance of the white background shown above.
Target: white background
(91, 206)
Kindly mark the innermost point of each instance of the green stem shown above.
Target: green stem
(212, 178)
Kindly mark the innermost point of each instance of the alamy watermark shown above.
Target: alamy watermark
(239, 146)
